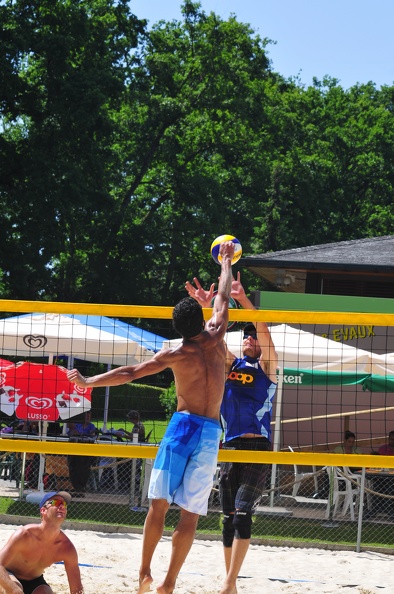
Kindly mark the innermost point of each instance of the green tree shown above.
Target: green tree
(124, 152)
(63, 75)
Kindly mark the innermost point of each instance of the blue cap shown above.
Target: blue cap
(66, 496)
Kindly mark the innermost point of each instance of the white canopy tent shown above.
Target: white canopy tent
(90, 338)
(298, 349)
(46, 335)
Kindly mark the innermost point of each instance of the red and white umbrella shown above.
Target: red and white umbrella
(40, 392)
(4, 363)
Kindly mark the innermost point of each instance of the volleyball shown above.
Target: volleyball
(215, 247)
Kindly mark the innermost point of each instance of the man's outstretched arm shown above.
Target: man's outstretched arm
(122, 375)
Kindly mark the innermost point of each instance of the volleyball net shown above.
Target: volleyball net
(335, 374)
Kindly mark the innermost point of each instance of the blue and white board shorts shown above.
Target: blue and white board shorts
(186, 462)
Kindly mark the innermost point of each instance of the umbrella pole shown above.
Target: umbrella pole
(43, 433)
(22, 483)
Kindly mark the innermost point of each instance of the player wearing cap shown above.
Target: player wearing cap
(33, 548)
(246, 414)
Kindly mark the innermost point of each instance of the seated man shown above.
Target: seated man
(385, 484)
(86, 428)
(138, 427)
(34, 547)
(388, 448)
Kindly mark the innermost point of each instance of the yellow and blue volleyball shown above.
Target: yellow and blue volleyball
(215, 247)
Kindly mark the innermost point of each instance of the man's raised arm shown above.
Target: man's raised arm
(219, 319)
(269, 356)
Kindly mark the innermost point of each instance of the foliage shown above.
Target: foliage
(124, 152)
(146, 399)
(168, 400)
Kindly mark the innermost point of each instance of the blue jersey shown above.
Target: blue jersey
(247, 400)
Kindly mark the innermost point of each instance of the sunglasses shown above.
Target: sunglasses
(56, 502)
(252, 334)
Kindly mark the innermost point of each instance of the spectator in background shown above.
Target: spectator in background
(384, 485)
(27, 427)
(79, 467)
(86, 428)
(388, 448)
(348, 446)
(138, 428)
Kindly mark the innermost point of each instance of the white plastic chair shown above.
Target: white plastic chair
(105, 462)
(300, 476)
(349, 494)
(215, 488)
(357, 478)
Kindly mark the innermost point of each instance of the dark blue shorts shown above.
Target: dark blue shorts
(241, 484)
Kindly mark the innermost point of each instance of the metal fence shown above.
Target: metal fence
(312, 502)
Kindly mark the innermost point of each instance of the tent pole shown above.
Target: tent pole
(277, 429)
(106, 404)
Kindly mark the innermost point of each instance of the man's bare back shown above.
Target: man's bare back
(198, 365)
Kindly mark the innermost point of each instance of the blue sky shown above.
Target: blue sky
(351, 40)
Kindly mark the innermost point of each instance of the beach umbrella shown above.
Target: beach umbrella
(4, 364)
(86, 337)
(41, 392)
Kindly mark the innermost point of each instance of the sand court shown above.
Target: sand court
(109, 563)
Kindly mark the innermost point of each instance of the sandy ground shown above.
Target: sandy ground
(109, 563)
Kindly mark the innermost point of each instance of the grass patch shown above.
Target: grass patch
(158, 428)
(315, 531)
(265, 528)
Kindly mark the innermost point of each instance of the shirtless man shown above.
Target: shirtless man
(246, 415)
(34, 547)
(187, 458)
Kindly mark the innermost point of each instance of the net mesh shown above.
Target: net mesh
(332, 378)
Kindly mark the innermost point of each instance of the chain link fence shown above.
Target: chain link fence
(330, 506)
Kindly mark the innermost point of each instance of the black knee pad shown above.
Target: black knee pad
(243, 524)
(228, 530)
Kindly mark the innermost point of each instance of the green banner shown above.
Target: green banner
(379, 383)
(310, 377)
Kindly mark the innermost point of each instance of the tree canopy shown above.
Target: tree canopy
(126, 151)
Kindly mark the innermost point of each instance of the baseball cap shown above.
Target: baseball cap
(249, 329)
(66, 496)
